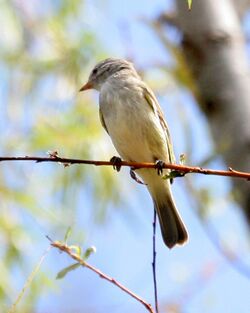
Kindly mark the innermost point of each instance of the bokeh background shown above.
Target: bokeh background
(47, 51)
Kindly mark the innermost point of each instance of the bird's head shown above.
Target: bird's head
(105, 69)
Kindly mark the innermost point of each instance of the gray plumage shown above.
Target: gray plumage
(131, 115)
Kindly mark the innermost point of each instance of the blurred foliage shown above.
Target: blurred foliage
(189, 4)
(46, 53)
(46, 49)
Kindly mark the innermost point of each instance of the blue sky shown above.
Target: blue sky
(124, 247)
(124, 243)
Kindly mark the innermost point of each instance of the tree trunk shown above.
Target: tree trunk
(214, 46)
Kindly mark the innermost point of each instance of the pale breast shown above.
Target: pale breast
(134, 128)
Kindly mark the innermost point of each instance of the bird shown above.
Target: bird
(133, 118)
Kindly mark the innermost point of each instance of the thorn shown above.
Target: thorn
(53, 154)
(47, 236)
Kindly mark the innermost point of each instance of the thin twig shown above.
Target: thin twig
(182, 169)
(28, 281)
(65, 248)
(154, 264)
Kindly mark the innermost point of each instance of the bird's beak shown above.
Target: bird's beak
(87, 86)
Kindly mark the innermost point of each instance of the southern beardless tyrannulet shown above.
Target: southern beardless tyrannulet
(131, 115)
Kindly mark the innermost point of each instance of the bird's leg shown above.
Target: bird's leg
(134, 176)
(159, 165)
(116, 162)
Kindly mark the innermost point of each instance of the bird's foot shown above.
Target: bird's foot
(159, 165)
(134, 176)
(116, 162)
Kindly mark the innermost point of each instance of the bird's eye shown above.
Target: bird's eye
(94, 71)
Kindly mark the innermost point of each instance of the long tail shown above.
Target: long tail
(172, 227)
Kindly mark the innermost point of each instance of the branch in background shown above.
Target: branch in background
(28, 282)
(215, 52)
(181, 170)
(65, 248)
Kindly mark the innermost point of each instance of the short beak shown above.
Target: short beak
(87, 86)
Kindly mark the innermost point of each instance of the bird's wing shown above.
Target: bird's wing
(153, 103)
(102, 120)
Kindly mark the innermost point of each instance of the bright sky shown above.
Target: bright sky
(196, 274)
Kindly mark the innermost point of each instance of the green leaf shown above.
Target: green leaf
(77, 249)
(66, 270)
(68, 233)
(173, 174)
(88, 252)
(182, 159)
(189, 4)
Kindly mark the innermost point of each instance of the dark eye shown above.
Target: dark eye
(94, 71)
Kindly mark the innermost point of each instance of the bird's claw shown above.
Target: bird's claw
(159, 165)
(116, 162)
(134, 177)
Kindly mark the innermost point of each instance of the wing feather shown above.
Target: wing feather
(102, 120)
(153, 103)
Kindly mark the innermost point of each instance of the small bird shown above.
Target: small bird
(131, 115)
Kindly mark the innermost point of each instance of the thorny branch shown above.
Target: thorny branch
(177, 170)
(65, 248)
(181, 169)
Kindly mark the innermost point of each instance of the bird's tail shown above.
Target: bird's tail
(172, 227)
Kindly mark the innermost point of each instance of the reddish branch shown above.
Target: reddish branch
(65, 248)
(183, 169)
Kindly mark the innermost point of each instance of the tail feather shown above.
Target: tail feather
(172, 227)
